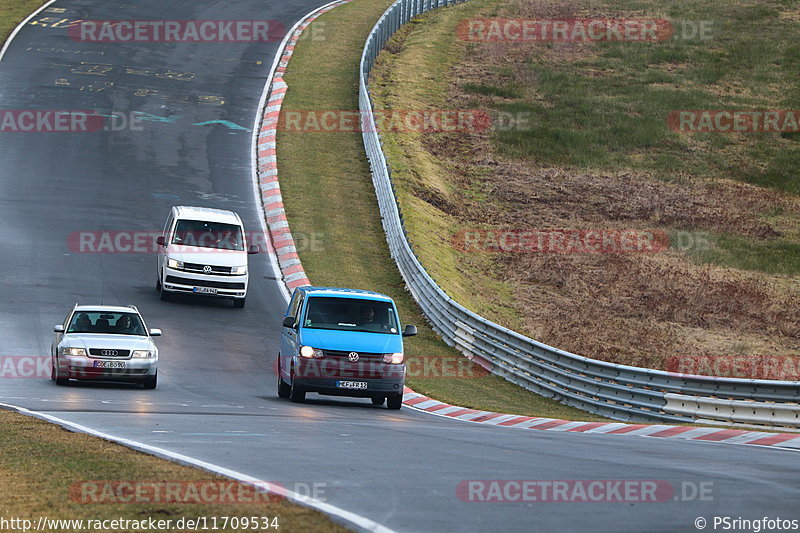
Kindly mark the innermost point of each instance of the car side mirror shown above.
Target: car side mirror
(254, 249)
(161, 240)
(58, 328)
(155, 332)
(289, 322)
(410, 330)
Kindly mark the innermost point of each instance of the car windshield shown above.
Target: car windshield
(105, 322)
(208, 235)
(350, 314)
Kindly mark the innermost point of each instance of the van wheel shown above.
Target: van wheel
(284, 390)
(150, 382)
(394, 402)
(238, 303)
(158, 284)
(296, 394)
(378, 400)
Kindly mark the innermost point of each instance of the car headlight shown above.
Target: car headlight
(174, 263)
(142, 354)
(311, 353)
(393, 358)
(73, 351)
(240, 270)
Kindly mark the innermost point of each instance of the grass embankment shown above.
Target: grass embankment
(43, 466)
(591, 149)
(328, 192)
(12, 12)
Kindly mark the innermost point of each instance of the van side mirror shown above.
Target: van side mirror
(253, 249)
(410, 330)
(161, 240)
(58, 328)
(289, 322)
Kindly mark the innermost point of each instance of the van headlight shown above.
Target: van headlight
(73, 351)
(393, 358)
(311, 353)
(142, 354)
(239, 271)
(174, 263)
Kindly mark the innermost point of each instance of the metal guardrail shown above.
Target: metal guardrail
(616, 391)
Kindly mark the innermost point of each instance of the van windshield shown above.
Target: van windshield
(208, 235)
(350, 314)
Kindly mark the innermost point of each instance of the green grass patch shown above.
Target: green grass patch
(43, 466)
(328, 192)
(12, 12)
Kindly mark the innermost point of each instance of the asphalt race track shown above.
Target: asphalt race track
(216, 398)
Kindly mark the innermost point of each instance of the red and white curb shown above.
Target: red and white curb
(728, 436)
(267, 171)
(294, 276)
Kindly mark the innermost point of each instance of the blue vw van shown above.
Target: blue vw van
(342, 342)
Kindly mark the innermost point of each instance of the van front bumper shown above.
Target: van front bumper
(331, 387)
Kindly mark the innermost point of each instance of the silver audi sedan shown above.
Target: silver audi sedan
(104, 343)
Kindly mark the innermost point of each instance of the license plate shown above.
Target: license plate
(205, 290)
(351, 384)
(108, 364)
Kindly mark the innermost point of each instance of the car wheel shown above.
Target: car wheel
(284, 390)
(296, 394)
(394, 402)
(238, 303)
(150, 382)
(58, 379)
(378, 400)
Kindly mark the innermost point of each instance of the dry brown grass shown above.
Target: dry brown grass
(637, 309)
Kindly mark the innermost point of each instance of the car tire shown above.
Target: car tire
(296, 394)
(378, 400)
(58, 379)
(150, 382)
(238, 303)
(284, 390)
(394, 402)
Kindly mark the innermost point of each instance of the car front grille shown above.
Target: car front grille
(205, 283)
(197, 267)
(108, 352)
(345, 355)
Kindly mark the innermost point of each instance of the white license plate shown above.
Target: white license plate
(108, 364)
(351, 384)
(205, 290)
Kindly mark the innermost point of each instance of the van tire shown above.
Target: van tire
(394, 402)
(165, 295)
(238, 303)
(378, 400)
(284, 390)
(296, 394)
